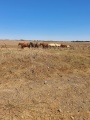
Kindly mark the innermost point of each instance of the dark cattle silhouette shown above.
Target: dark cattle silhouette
(31, 44)
(35, 45)
(65, 46)
(24, 45)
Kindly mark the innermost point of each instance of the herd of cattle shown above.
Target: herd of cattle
(43, 45)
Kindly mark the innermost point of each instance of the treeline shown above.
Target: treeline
(80, 41)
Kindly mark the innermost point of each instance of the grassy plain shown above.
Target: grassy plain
(44, 84)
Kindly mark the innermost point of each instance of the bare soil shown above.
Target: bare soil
(44, 84)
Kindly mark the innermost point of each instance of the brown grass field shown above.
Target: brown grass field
(44, 84)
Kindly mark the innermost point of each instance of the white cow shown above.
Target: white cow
(54, 45)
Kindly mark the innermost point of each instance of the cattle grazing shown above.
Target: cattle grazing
(54, 45)
(44, 45)
(34, 45)
(58, 45)
(31, 44)
(65, 46)
(51, 45)
(24, 45)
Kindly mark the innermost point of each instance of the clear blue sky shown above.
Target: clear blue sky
(45, 19)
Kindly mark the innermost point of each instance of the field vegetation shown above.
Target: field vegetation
(44, 84)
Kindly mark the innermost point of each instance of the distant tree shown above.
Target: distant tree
(21, 40)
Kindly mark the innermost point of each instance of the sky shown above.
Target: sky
(62, 20)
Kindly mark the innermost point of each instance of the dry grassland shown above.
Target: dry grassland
(44, 84)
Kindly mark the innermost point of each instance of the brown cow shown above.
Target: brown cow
(64, 46)
(24, 45)
(44, 45)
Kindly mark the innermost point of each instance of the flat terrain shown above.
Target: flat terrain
(44, 84)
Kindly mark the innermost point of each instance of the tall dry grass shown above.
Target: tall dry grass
(36, 64)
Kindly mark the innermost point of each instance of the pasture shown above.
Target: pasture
(44, 84)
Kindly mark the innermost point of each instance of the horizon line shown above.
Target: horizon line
(48, 40)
